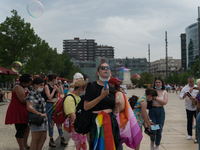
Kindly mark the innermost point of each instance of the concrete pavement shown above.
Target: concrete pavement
(173, 137)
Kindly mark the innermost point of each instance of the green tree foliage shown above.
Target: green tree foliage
(18, 42)
(194, 70)
(15, 40)
(184, 77)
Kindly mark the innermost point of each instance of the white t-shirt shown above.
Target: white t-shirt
(188, 102)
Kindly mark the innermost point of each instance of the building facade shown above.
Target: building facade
(134, 65)
(159, 66)
(86, 49)
(183, 53)
(192, 44)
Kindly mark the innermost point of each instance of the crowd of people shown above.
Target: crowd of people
(120, 115)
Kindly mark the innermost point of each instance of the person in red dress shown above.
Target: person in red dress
(17, 111)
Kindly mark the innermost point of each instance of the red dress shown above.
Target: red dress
(17, 111)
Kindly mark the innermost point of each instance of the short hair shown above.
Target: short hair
(25, 78)
(150, 91)
(79, 83)
(190, 77)
(163, 84)
(51, 77)
(38, 80)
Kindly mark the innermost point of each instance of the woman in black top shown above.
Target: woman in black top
(50, 96)
(97, 99)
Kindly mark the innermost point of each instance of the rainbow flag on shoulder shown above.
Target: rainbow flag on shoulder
(104, 138)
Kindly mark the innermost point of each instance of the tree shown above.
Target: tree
(20, 43)
(184, 77)
(194, 70)
(15, 40)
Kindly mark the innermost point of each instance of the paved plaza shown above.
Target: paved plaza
(173, 137)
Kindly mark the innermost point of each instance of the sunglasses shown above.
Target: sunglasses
(104, 67)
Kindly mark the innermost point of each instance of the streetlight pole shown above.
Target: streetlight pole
(166, 55)
(149, 56)
(199, 35)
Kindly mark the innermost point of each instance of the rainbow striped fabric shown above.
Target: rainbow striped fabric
(130, 132)
(104, 138)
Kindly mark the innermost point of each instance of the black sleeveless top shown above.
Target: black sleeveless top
(51, 90)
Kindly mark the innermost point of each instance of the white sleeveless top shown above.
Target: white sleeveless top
(162, 97)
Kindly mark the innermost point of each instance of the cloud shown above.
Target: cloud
(127, 25)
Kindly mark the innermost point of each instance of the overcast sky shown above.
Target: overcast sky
(127, 25)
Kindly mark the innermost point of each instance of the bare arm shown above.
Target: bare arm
(20, 94)
(73, 116)
(47, 92)
(144, 112)
(121, 102)
(32, 110)
(163, 101)
(60, 89)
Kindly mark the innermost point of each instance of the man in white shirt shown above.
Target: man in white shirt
(190, 109)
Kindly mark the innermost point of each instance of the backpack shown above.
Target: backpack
(56, 112)
(82, 123)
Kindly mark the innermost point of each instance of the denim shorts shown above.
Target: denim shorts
(35, 128)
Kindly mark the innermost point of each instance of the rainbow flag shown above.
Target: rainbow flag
(104, 138)
(130, 132)
(52, 109)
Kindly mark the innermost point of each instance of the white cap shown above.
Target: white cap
(77, 76)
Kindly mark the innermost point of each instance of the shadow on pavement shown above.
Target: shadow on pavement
(57, 141)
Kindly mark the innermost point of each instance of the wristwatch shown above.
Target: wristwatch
(39, 114)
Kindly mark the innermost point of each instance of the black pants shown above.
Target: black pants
(190, 115)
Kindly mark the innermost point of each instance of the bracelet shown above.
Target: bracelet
(148, 125)
(39, 114)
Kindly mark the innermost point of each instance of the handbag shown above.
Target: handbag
(149, 104)
(35, 119)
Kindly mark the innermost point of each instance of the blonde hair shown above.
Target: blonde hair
(78, 83)
(71, 85)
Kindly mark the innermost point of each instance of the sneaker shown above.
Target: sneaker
(189, 137)
(152, 145)
(156, 148)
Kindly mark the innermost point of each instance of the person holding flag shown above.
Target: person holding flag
(104, 129)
